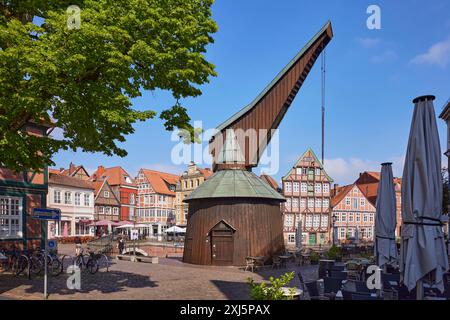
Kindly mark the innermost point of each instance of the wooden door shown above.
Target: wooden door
(222, 247)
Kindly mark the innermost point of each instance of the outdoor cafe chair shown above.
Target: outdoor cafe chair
(276, 262)
(338, 274)
(332, 286)
(362, 296)
(250, 264)
(313, 291)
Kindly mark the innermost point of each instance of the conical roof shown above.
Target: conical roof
(234, 184)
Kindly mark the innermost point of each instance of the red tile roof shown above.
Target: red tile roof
(59, 179)
(340, 194)
(271, 181)
(115, 175)
(160, 181)
(205, 172)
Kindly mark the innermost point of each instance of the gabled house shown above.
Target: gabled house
(353, 214)
(75, 198)
(368, 184)
(306, 188)
(107, 204)
(156, 199)
(123, 187)
(190, 180)
(74, 171)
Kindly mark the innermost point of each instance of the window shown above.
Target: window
(362, 202)
(337, 217)
(358, 217)
(344, 217)
(77, 198)
(317, 188)
(295, 203)
(288, 203)
(101, 210)
(106, 194)
(299, 171)
(304, 187)
(116, 211)
(146, 199)
(303, 170)
(10, 217)
(310, 203)
(192, 183)
(308, 223)
(369, 233)
(291, 237)
(302, 202)
(355, 203)
(347, 201)
(87, 201)
(341, 233)
(296, 186)
(371, 217)
(317, 171)
(316, 221)
(56, 196)
(350, 217)
(324, 222)
(326, 187)
(67, 197)
(132, 198)
(318, 203)
(288, 220)
(107, 210)
(365, 217)
(288, 186)
(326, 203)
(141, 175)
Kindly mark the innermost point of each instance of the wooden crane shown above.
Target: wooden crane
(266, 111)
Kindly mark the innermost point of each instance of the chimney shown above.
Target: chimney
(100, 170)
(336, 185)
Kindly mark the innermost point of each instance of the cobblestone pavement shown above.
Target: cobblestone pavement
(170, 279)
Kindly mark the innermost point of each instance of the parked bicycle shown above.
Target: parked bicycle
(88, 261)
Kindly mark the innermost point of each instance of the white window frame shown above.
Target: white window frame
(57, 196)
(326, 188)
(304, 187)
(288, 186)
(362, 202)
(302, 203)
(296, 187)
(67, 197)
(325, 203)
(289, 220)
(106, 194)
(317, 187)
(295, 203)
(116, 211)
(87, 200)
(77, 199)
(11, 209)
(291, 238)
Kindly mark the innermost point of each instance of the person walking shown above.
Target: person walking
(78, 245)
(121, 245)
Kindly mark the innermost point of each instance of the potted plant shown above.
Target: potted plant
(272, 290)
(335, 253)
(314, 258)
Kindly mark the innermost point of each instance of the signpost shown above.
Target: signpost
(45, 214)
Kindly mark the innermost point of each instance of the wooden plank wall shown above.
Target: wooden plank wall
(258, 224)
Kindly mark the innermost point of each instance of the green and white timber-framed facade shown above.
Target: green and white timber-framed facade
(20, 192)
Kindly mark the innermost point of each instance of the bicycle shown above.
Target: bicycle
(87, 261)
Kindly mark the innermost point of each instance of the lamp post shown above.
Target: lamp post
(334, 229)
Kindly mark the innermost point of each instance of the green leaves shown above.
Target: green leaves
(84, 79)
(272, 291)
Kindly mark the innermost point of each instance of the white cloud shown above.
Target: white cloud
(369, 43)
(385, 56)
(437, 54)
(346, 171)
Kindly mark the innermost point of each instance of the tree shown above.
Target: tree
(445, 191)
(83, 79)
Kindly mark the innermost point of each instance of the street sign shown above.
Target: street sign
(51, 244)
(134, 234)
(46, 213)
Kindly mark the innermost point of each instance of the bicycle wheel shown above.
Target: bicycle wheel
(37, 266)
(54, 267)
(92, 266)
(21, 265)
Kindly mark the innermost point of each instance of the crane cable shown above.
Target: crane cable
(323, 103)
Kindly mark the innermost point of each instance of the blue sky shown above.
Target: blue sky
(372, 77)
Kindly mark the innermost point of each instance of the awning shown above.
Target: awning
(104, 223)
(175, 229)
